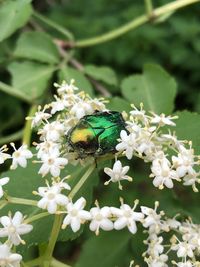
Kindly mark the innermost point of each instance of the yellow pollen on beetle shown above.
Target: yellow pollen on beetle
(81, 135)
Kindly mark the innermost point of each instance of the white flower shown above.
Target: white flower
(4, 156)
(155, 247)
(162, 120)
(66, 88)
(184, 162)
(14, 227)
(52, 197)
(46, 147)
(171, 139)
(3, 181)
(52, 131)
(61, 183)
(127, 144)
(39, 116)
(163, 173)
(97, 104)
(118, 173)
(81, 109)
(126, 216)
(184, 249)
(144, 143)
(100, 219)
(158, 261)
(52, 163)
(153, 219)
(58, 105)
(76, 215)
(8, 259)
(139, 114)
(191, 179)
(170, 223)
(20, 156)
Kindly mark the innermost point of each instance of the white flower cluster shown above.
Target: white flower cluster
(106, 218)
(55, 120)
(146, 139)
(110, 218)
(12, 228)
(185, 242)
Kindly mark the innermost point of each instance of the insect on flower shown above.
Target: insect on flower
(96, 134)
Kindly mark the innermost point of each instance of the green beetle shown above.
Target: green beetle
(96, 134)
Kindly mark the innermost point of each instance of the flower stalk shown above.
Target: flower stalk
(27, 129)
(52, 241)
(135, 23)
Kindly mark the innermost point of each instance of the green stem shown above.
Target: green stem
(52, 241)
(23, 201)
(3, 205)
(54, 25)
(28, 129)
(12, 137)
(81, 181)
(135, 23)
(56, 263)
(58, 220)
(149, 7)
(39, 261)
(35, 262)
(36, 217)
(112, 34)
(14, 92)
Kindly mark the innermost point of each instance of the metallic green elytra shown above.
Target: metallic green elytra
(96, 134)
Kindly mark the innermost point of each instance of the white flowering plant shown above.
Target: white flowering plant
(133, 200)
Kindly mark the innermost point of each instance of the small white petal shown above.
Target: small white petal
(55, 171)
(105, 211)
(24, 229)
(52, 207)
(17, 218)
(5, 221)
(132, 227)
(61, 199)
(106, 225)
(4, 180)
(85, 215)
(80, 203)
(3, 232)
(42, 203)
(120, 223)
(93, 226)
(75, 224)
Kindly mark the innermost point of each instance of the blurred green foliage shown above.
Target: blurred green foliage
(34, 53)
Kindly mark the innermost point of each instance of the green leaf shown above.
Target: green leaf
(118, 104)
(68, 73)
(37, 46)
(104, 74)
(30, 78)
(155, 88)
(107, 249)
(13, 15)
(188, 127)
